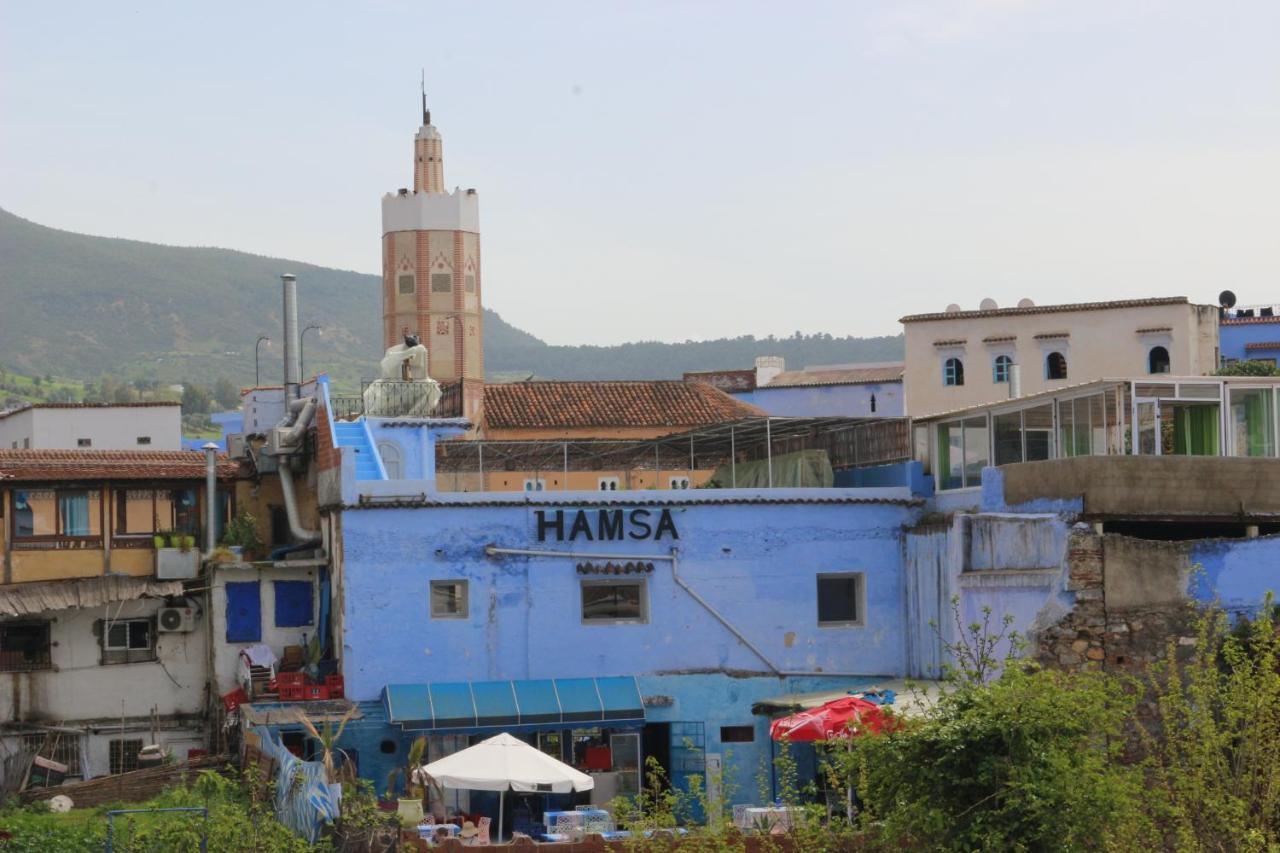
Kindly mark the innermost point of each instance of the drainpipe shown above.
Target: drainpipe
(210, 498)
(296, 530)
(674, 559)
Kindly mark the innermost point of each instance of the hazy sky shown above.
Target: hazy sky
(679, 170)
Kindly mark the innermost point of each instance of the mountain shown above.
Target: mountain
(80, 306)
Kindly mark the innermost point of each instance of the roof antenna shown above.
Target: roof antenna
(426, 113)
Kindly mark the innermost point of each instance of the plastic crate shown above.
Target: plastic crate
(312, 692)
(291, 679)
(292, 694)
(336, 686)
(233, 700)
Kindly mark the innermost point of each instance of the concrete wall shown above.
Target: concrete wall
(1147, 486)
(226, 654)
(106, 428)
(824, 400)
(80, 687)
(1099, 344)
(755, 562)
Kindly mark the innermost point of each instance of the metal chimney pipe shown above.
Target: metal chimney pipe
(1015, 380)
(292, 370)
(210, 498)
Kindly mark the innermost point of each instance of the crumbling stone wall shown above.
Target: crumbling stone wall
(1097, 634)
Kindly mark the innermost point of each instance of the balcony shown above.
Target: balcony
(397, 399)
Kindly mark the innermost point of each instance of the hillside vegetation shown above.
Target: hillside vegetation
(79, 306)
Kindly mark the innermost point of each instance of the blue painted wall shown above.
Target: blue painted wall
(823, 400)
(756, 563)
(905, 474)
(1232, 339)
(1237, 572)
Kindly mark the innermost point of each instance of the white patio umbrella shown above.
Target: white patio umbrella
(503, 763)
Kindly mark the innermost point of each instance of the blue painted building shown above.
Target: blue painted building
(1250, 338)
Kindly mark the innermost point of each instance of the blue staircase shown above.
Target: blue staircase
(354, 435)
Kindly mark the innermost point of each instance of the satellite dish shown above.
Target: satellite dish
(1024, 302)
(1227, 299)
(987, 304)
(953, 308)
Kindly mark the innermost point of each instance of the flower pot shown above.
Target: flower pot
(409, 811)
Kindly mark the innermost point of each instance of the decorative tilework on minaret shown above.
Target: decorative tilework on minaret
(431, 265)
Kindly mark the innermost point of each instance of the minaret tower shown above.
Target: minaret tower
(431, 265)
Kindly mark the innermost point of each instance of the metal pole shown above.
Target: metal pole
(657, 467)
(691, 460)
(733, 461)
(565, 486)
(480, 450)
(768, 439)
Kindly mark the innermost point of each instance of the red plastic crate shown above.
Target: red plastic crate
(234, 699)
(336, 686)
(292, 694)
(291, 679)
(315, 691)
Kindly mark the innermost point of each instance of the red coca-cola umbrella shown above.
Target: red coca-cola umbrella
(844, 717)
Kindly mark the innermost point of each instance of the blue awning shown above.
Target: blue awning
(541, 703)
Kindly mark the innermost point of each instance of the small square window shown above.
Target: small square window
(609, 484)
(407, 285)
(737, 734)
(538, 485)
(24, 646)
(441, 282)
(612, 602)
(128, 641)
(84, 442)
(840, 598)
(449, 599)
(678, 483)
(144, 439)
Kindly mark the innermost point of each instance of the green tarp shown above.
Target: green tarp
(804, 468)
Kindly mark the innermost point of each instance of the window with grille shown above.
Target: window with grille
(128, 641)
(406, 283)
(1000, 369)
(24, 646)
(614, 601)
(953, 372)
(469, 283)
(449, 599)
(62, 748)
(123, 754)
(441, 282)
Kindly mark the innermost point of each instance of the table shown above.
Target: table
(586, 820)
(428, 830)
(767, 818)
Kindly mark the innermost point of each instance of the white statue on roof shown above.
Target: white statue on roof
(404, 388)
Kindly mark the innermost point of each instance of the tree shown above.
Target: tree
(196, 399)
(227, 395)
(1249, 368)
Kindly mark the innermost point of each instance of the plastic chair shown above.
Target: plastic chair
(482, 837)
(740, 815)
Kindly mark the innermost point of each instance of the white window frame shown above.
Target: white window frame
(679, 482)
(860, 599)
(465, 597)
(535, 484)
(593, 583)
(124, 624)
(609, 484)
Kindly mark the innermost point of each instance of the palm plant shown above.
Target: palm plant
(327, 736)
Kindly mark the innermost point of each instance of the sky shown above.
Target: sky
(678, 170)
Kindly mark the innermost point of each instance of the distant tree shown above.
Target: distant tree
(125, 394)
(227, 394)
(37, 381)
(196, 400)
(62, 395)
(1250, 368)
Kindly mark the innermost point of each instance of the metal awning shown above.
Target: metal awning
(541, 703)
(28, 599)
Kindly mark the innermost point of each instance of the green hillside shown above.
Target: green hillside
(79, 306)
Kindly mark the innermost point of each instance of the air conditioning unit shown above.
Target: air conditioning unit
(237, 446)
(179, 619)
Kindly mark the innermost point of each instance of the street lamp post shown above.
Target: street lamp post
(257, 372)
(302, 361)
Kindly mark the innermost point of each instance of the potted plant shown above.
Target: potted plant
(241, 535)
(417, 800)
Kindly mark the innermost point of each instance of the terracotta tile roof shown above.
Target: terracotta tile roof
(655, 403)
(999, 339)
(1152, 329)
(1048, 336)
(1048, 309)
(1245, 321)
(1263, 345)
(7, 412)
(63, 465)
(839, 376)
(951, 342)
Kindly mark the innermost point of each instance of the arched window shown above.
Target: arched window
(1158, 360)
(390, 453)
(953, 372)
(1000, 369)
(1055, 366)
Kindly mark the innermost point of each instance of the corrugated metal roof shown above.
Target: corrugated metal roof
(1047, 309)
(28, 599)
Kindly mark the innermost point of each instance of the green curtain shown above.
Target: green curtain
(1195, 430)
(1255, 417)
